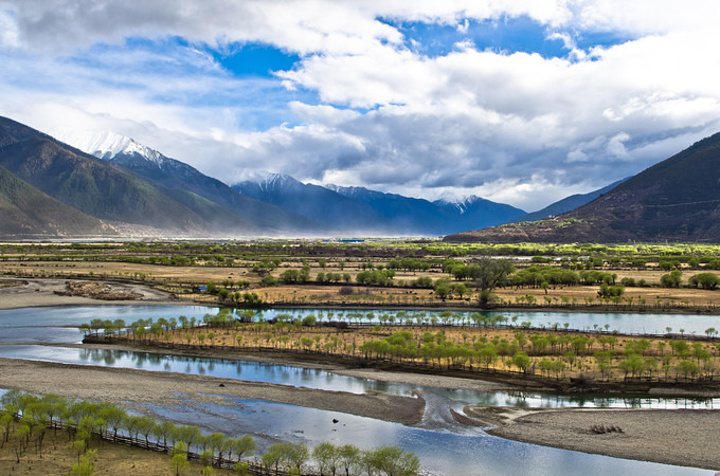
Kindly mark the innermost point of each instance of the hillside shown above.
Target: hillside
(567, 204)
(677, 199)
(90, 185)
(27, 213)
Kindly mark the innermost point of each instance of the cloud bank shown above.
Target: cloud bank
(523, 102)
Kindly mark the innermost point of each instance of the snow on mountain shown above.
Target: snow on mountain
(453, 201)
(274, 180)
(107, 145)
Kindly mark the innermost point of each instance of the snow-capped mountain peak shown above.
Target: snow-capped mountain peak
(273, 178)
(107, 145)
(461, 204)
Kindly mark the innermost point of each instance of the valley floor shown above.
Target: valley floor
(681, 437)
(687, 438)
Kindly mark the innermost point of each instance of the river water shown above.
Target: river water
(443, 446)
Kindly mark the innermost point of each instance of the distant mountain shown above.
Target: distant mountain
(360, 210)
(567, 204)
(26, 212)
(217, 203)
(476, 211)
(677, 199)
(319, 204)
(433, 218)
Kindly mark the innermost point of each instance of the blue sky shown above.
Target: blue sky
(522, 102)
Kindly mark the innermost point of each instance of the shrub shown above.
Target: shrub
(671, 280)
(705, 281)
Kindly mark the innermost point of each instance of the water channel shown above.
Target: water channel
(443, 446)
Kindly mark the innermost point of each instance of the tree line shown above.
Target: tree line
(29, 416)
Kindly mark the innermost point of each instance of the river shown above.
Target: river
(443, 446)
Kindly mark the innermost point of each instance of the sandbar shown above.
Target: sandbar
(679, 437)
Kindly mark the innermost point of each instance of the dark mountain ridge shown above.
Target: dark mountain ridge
(217, 202)
(88, 184)
(567, 204)
(314, 202)
(360, 210)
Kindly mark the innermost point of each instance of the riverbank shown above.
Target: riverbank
(679, 437)
(132, 388)
(43, 293)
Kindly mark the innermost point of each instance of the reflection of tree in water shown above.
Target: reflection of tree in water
(109, 357)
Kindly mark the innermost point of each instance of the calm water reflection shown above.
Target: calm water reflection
(57, 325)
(326, 380)
(40, 324)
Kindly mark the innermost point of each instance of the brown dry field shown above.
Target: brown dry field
(57, 459)
(178, 279)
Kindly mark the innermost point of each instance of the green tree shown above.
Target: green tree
(671, 280)
(179, 463)
(487, 274)
(521, 361)
(326, 455)
(633, 364)
(392, 461)
(349, 457)
(242, 468)
(442, 288)
(295, 454)
(460, 289)
(86, 465)
(705, 281)
(687, 368)
(244, 446)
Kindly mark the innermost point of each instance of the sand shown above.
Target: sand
(680, 437)
(424, 380)
(41, 293)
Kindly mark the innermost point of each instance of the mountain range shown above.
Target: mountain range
(132, 195)
(26, 211)
(360, 210)
(110, 185)
(677, 199)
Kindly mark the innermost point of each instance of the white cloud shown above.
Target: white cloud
(577, 155)
(616, 145)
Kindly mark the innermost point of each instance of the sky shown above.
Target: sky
(518, 101)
